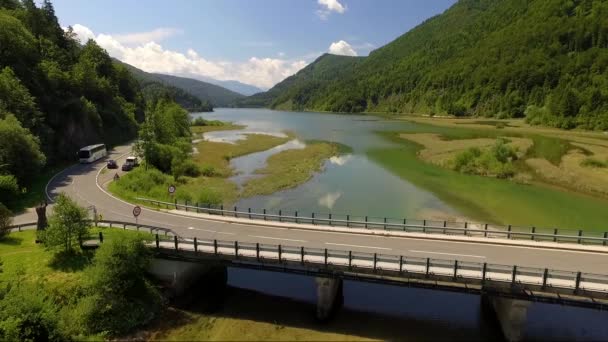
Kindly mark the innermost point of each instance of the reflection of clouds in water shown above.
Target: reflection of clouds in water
(231, 137)
(340, 160)
(290, 145)
(329, 199)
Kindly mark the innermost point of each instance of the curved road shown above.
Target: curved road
(84, 184)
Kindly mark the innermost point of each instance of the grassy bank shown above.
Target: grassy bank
(489, 199)
(290, 168)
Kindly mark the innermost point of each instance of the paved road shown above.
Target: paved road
(81, 183)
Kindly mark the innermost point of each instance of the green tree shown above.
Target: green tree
(6, 219)
(15, 98)
(19, 150)
(68, 224)
(120, 297)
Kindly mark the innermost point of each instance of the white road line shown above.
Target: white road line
(226, 233)
(211, 231)
(345, 245)
(273, 238)
(462, 255)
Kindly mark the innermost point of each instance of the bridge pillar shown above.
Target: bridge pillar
(511, 315)
(329, 297)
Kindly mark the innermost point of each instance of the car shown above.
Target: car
(112, 164)
(130, 163)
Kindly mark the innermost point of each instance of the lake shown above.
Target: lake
(349, 184)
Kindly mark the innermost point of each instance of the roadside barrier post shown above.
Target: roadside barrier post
(578, 282)
(235, 215)
(195, 245)
(428, 266)
(455, 269)
(385, 223)
(347, 220)
(533, 233)
(330, 221)
(302, 254)
(580, 234)
(555, 235)
(296, 216)
(249, 211)
(100, 237)
(279, 250)
(485, 233)
(483, 273)
(401, 264)
(215, 247)
(605, 238)
(157, 241)
(545, 276)
(514, 276)
(509, 232)
(257, 251)
(265, 215)
(326, 257)
(175, 240)
(366, 222)
(280, 215)
(375, 261)
(313, 218)
(236, 249)
(350, 259)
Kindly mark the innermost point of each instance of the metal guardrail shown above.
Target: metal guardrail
(397, 265)
(103, 223)
(404, 225)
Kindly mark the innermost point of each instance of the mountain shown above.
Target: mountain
(154, 87)
(216, 95)
(543, 60)
(235, 86)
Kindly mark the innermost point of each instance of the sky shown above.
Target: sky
(257, 42)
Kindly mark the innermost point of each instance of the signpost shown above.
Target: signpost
(136, 212)
(171, 189)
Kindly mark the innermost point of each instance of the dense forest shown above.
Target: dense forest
(57, 95)
(214, 94)
(154, 87)
(546, 60)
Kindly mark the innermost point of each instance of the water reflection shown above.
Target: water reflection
(329, 199)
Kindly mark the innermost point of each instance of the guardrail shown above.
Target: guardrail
(104, 223)
(392, 265)
(405, 225)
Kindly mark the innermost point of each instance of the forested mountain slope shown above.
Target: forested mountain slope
(216, 95)
(66, 95)
(154, 87)
(544, 59)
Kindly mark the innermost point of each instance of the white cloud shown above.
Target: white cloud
(152, 57)
(342, 48)
(156, 35)
(328, 6)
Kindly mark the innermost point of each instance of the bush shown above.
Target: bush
(202, 122)
(119, 297)
(9, 188)
(209, 196)
(496, 161)
(6, 219)
(27, 314)
(185, 168)
(209, 171)
(592, 162)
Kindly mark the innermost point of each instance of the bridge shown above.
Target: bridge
(509, 265)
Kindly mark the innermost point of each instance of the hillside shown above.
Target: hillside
(153, 87)
(301, 90)
(545, 60)
(235, 86)
(216, 95)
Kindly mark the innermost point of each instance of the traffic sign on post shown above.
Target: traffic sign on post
(136, 212)
(171, 189)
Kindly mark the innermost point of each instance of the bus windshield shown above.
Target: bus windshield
(84, 154)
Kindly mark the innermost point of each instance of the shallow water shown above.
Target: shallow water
(349, 184)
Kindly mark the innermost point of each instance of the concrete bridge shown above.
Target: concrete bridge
(509, 265)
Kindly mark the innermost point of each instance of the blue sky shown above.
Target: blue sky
(258, 42)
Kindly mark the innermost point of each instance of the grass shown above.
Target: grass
(212, 187)
(290, 168)
(226, 126)
(494, 200)
(24, 260)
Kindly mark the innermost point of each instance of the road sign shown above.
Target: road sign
(171, 189)
(136, 211)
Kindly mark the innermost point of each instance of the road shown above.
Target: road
(85, 183)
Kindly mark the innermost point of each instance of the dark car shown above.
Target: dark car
(127, 167)
(112, 164)
(130, 163)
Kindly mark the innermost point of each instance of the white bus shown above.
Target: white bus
(92, 153)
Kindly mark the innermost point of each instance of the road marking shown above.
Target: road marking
(462, 255)
(358, 246)
(226, 233)
(273, 238)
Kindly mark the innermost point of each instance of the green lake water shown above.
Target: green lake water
(382, 177)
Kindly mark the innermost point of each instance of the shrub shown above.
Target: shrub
(6, 219)
(592, 162)
(185, 168)
(496, 161)
(209, 171)
(9, 188)
(202, 122)
(119, 295)
(209, 196)
(27, 314)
